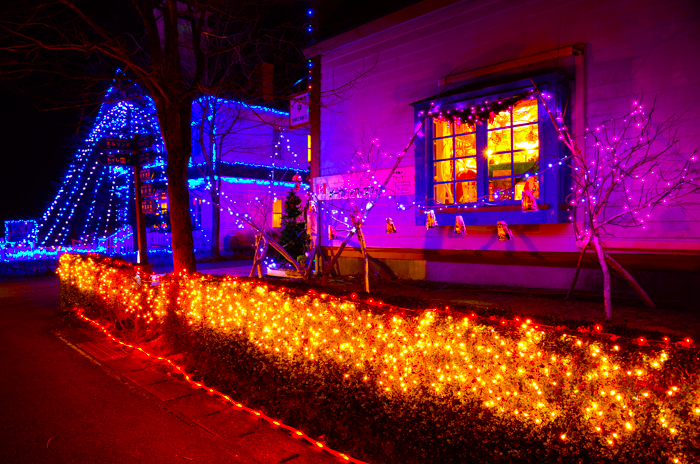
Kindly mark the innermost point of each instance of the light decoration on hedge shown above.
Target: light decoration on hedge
(514, 368)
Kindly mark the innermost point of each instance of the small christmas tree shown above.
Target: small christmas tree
(293, 237)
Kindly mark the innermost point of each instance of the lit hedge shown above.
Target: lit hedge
(444, 388)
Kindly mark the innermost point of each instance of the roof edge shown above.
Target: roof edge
(378, 25)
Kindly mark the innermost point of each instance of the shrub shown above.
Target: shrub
(433, 387)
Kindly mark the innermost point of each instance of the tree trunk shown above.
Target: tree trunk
(215, 223)
(630, 280)
(177, 142)
(365, 255)
(263, 254)
(258, 237)
(606, 276)
(260, 253)
(578, 268)
(312, 256)
(334, 259)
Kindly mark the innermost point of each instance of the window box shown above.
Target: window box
(480, 149)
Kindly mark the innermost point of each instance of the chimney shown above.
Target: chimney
(265, 81)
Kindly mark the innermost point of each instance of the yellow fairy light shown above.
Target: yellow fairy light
(398, 355)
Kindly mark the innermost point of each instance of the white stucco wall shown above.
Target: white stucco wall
(632, 48)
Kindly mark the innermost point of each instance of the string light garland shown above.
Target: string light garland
(296, 433)
(534, 375)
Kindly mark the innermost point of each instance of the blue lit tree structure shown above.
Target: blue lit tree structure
(96, 200)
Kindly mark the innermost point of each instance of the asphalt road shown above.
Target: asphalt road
(58, 406)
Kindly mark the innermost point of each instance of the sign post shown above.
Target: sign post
(135, 145)
(299, 111)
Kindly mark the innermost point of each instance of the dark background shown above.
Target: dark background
(37, 141)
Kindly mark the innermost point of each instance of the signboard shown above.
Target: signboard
(143, 141)
(146, 174)
(361, 185)
(148, 190)
(139, 142)
(110, 143)
(146, 157)
(149, 205)
(115, 159)
(299, 111)
(21, 231)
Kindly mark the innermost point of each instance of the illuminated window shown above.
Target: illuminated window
(511, 154)
(308, 148)
(484, 148)
(277, 213)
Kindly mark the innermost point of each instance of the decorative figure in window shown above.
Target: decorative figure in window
(431, 221)
(528, 200)
(504, 232)
(332, 233)
(390, 227)
(460, 227)
(297, 179)
(312, 207)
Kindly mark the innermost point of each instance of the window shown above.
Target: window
(484, 148)
(511, 156)
(277, 213)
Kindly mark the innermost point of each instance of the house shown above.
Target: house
(255, 159)
(463, 77)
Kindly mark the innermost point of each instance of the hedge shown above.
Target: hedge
(402, 386)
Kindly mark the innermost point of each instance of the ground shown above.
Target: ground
(63, 402)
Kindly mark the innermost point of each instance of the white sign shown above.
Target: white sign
(299, 111)
(364, 185)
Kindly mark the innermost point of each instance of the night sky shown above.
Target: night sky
(35, 148)
(36, 143)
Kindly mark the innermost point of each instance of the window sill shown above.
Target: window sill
(480, 209)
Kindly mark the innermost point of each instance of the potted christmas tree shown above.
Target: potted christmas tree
(293, 237)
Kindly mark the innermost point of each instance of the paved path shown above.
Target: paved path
(69, 396)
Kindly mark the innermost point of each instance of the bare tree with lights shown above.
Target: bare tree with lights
(359, 194)
(633, 168)
(227, 131)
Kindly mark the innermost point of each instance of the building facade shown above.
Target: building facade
(458, 82)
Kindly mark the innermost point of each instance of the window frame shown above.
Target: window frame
(554, 183)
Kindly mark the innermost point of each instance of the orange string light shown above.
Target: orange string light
(531, 372)
(226, 398)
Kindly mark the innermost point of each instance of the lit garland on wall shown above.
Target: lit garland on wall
(515, 369)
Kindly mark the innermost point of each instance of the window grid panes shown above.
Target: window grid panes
(277, 213)
(513, 152)
(511, 155)
(455, 166)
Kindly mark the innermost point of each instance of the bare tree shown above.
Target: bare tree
(633, 168)
(225, 133)
(176, 50)
(352, 204)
